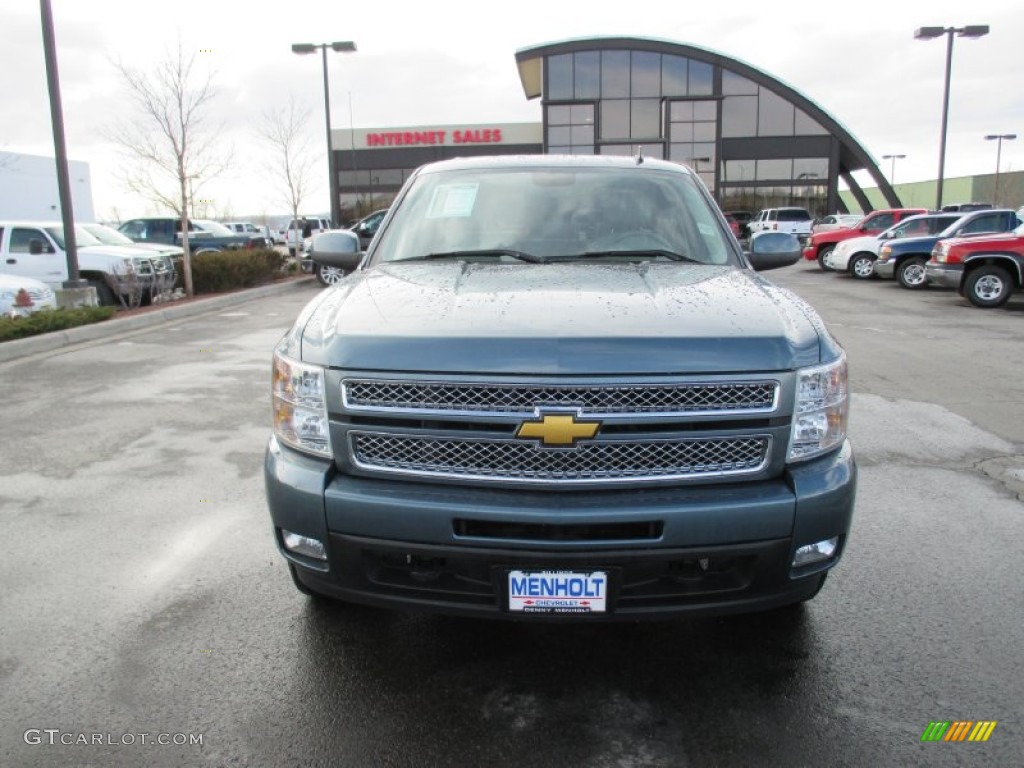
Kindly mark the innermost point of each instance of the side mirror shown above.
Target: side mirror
(35, 246)
(336, 249)
(771, 250)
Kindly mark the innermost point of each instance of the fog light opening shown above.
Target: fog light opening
(303, 545)
(815, 553)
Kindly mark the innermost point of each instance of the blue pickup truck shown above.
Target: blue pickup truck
(555, 388)
(905, 259)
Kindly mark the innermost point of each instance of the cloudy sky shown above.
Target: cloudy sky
(443, 62)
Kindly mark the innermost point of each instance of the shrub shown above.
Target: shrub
(51, 320)
(230, 270)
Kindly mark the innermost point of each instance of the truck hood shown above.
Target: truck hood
(567, 318)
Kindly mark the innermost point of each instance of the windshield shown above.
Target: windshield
(107, 236)
(213, 227)
(82, 237)
(553, 214)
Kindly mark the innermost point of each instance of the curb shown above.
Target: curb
(47, 342)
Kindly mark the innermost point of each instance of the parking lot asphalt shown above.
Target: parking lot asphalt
(46, 342)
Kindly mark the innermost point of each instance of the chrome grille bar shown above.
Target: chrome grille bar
(506, 460)
(487, 399)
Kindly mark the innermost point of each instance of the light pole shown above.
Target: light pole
(998, 138)
(892, 167)
(346, 46)
(929, 33)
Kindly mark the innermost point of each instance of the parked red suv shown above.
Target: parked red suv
(822, 243)
(985, 268)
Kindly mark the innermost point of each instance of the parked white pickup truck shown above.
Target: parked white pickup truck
(794, 221)
(294, 238)
(119, 273)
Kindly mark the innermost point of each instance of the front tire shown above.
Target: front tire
(821, 257)
(328, 275)
(910, 273)
(862, 266)
(104, 295)
(988, 286)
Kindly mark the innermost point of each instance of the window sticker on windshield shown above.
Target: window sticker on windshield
(453, 201)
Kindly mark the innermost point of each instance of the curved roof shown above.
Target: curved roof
(853, 156)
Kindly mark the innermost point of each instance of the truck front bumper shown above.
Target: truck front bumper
(885, 269)
(943, 275)
(693, 550)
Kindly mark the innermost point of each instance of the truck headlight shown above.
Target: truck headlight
(884, 252)
(300, 406)
(821, 410)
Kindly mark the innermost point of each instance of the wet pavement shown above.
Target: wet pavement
(143, 599)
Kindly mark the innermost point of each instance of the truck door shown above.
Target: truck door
(48, 264)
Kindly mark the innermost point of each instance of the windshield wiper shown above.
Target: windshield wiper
(520, 255)
(670, 255)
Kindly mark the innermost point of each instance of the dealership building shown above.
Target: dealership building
(755, 141)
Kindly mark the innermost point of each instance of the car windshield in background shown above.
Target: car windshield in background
(82, 237)
(213, 227)
(554, 214)
(107, 235)
(791, 214)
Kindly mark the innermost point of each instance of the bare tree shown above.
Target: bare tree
(284, 129)
(173, 148)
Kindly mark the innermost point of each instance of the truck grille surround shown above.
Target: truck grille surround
(466, 431)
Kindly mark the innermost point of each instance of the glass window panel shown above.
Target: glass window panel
(700, 79)
(806, 126)
(705, 110)
(582, 113)
(810, 168)
(559, 77)
(559, 115)
(680, 153)
(739, 116)
(588, 74)
(583, 134)
(615, 119)
(617, 149)
(673, 76)
(559, 150)
(561, 134)
(645, 74)
(703, 131)
(775, 115)
(583, 149)
(708, 179)
(770, 170)
(646, 122)
(614, 74)
(388, 176)
(737, 85)
(681, 111)
(682, 132)
(738, 170)
(704, 150)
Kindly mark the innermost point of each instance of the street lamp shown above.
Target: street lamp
(928, 33)
(998, 138)
(892, 167)
(346, 46)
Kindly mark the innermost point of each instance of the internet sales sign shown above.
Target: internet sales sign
(426, 137)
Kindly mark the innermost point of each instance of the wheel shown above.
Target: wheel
(862, 266)
(910, 273)
(104, 295)
(988, 286)
(328, 275)
(822, 254)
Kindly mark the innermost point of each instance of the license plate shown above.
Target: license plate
(557, 591)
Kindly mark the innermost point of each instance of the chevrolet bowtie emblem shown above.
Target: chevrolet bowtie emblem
(558, 430)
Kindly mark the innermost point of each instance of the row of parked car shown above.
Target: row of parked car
(980, 253)
(127, 266)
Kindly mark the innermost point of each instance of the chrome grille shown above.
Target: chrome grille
(520, 399)
(518, 461)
